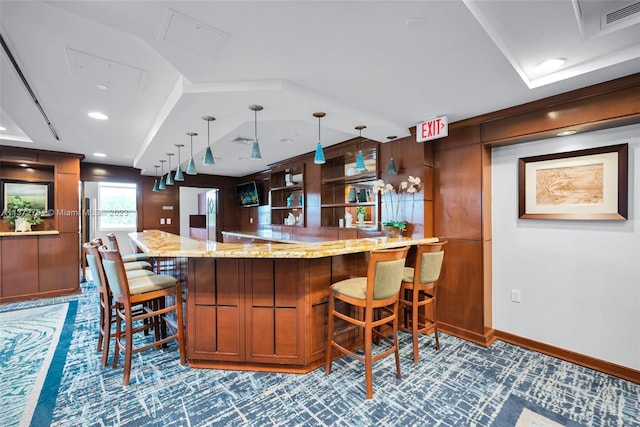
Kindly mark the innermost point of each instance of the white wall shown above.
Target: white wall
(580, 280)
(188, 206)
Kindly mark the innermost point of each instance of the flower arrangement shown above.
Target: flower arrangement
(410, 186)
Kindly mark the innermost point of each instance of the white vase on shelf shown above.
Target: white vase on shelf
(22, 224)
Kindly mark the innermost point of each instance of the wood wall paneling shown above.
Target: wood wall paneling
(67, 204)
(20, 266)
(619, 104)
(461, 295)
(458, 201)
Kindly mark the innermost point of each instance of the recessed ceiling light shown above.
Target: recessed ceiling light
(566, 132)
(98, 115)
(550, 65)
(99, 154)
(102, 86)
(23, 165)
(2, 128)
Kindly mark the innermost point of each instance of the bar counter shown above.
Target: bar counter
(261, 306)
(160, 243)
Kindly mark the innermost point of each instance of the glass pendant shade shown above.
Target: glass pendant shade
(208, 159)
(162, 185)
(255, 149)
(360, 167)
(191, 167)
(319, 158)
(169, 180)
(155, 182)
(179, 176)
(392, 168)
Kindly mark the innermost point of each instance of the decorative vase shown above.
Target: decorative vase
(393, 231)
(22, 224)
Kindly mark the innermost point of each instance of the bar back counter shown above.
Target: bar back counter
(260, 306)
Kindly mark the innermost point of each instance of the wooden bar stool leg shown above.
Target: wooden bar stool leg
(368, 331)
(128, 353)
(395, 340)
(328, 348)
(415, 324)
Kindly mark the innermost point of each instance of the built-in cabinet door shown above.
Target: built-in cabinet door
(275, 314)
(215, 313)
(19, 275)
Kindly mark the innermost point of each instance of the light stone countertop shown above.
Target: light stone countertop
(163, 244)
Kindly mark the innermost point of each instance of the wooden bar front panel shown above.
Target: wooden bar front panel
(215, 324)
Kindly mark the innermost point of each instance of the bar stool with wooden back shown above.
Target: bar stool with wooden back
(113, 244)
(419, 290)
(375, 295)
(129, 265)
(128, 294)
(106, 304)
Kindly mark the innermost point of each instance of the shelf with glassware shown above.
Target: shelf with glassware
(287, 196)
(347, 197)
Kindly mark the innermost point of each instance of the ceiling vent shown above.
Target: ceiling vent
(628, 12)
(242, 140)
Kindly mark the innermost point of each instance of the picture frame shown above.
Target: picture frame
(589, 184)
(38, 193)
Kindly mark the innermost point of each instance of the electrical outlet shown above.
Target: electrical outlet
(161, 221)
(516, 296)
(168, 221)
(250, 220)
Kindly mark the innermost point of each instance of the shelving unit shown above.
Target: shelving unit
(287, 195)
(345, 190)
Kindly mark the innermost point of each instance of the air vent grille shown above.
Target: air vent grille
(623, 13)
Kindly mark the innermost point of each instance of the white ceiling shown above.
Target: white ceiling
(385, 64)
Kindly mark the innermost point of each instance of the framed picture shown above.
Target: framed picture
(586, 184)
(38, 194)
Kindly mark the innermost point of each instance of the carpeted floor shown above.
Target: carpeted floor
(461, 385)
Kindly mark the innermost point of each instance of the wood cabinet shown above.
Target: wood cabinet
(348, 190)
(287, 195)
(46, 262)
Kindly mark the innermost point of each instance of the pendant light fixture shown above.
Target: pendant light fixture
(162, 185)
(319, 158)
(208, 159)
(392, 164)
(255, 150)
(360, 167)
(169, 180)
(155, 182)
(191, 168)
(179, 175)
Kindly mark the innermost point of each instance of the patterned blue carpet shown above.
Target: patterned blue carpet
(461, 385)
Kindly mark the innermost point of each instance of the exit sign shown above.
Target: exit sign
(432, 129)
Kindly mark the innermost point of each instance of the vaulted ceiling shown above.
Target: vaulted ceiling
(155, 68)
